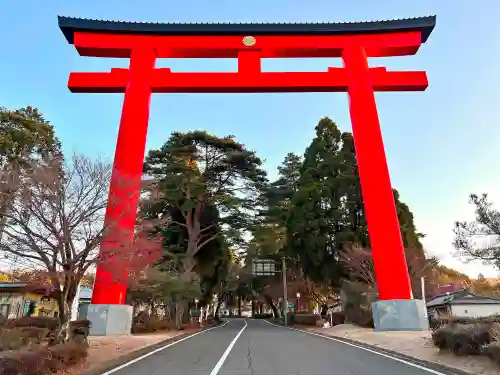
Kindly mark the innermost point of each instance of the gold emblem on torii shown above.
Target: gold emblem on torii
(249, 41)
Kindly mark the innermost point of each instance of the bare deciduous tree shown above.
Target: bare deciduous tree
(56, 222)
(359, 263)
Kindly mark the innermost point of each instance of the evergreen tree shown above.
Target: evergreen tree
(411, 237)
(316, 218)
(269, 233)
(208, 185)
(26, 138)
(280, 192)
(355, 228)
(327, 213)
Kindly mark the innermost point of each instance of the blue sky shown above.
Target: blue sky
(441, 144)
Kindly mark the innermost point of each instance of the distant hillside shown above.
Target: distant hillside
(445, 275)
(38, 276)
(493, 280)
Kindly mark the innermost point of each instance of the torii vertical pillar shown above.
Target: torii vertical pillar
(109, 313)
(396, 309)
(378, 198)
(111, 284)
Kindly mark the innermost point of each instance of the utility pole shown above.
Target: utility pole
(422, 285)
(285, 296)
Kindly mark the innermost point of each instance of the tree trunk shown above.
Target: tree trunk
(173, 310)
(216, 313)
(166, 312)
(62, 334)
(275, 310)
(65, 303)
(185, 312)
(239, 306)
(178, 315)
(152, 309)
(269, 301)
(324, 310)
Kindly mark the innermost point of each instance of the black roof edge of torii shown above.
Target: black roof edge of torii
(70, 25)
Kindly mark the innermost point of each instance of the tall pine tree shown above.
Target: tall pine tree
(327, 211)
(279, 195)
(204, 179)
(315, 221)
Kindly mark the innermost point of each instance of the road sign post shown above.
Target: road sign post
(285, 296)
(267, 267)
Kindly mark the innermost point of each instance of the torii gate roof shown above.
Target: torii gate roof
(69, 26)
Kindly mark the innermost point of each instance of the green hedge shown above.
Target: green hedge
(306, 319)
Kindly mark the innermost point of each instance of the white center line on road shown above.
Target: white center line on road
(429, 370)
(222, 359)
(159, 350)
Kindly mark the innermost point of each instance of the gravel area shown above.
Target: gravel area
(415, 344)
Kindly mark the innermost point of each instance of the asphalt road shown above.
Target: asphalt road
(254, 347)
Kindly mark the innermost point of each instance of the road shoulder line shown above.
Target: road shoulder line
(126, 360)
(431, 367)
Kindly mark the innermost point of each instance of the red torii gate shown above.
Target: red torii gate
(143, 43)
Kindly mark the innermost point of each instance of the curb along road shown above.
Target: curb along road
(109, 367)
(431, 367)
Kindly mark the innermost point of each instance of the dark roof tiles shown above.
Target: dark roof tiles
(70, 25)
(461, 298)
(12, 284)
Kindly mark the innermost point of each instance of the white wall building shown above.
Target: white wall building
(463, 304)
